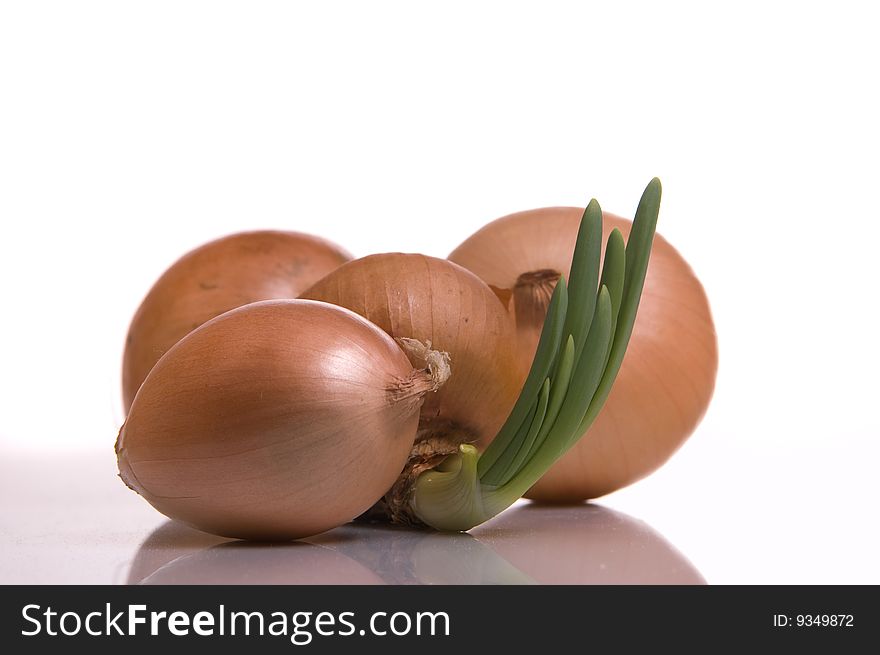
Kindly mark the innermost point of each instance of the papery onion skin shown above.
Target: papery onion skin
(226, 273)
(429, 299)
(277, 420)
(668, 374)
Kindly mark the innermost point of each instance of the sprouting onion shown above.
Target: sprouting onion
(581, 348)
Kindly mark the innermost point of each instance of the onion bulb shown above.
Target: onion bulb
(277, 420)
(216, 277)
(668, 376)
(434, 301)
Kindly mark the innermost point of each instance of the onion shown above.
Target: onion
(437, 302)
(667, 377)
(433, 300)
(219, 276)
(276, 420)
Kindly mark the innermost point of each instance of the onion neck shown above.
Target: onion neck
(531, 297)
(437, 363)
(409, 393)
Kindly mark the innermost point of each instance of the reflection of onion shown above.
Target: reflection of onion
(352, 554)
(240, 562)
(166, 543)
(585, 544)
(403, 556)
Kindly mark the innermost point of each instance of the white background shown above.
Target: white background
(132, 132)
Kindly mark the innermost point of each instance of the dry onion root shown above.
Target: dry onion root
(668, 376)
(214, 278)
(277, 420)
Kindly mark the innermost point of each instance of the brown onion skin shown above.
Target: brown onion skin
(430, 299)
(226, 273)
(274, 421)
(668, 374)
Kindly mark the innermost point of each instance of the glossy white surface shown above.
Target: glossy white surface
(70, 521)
